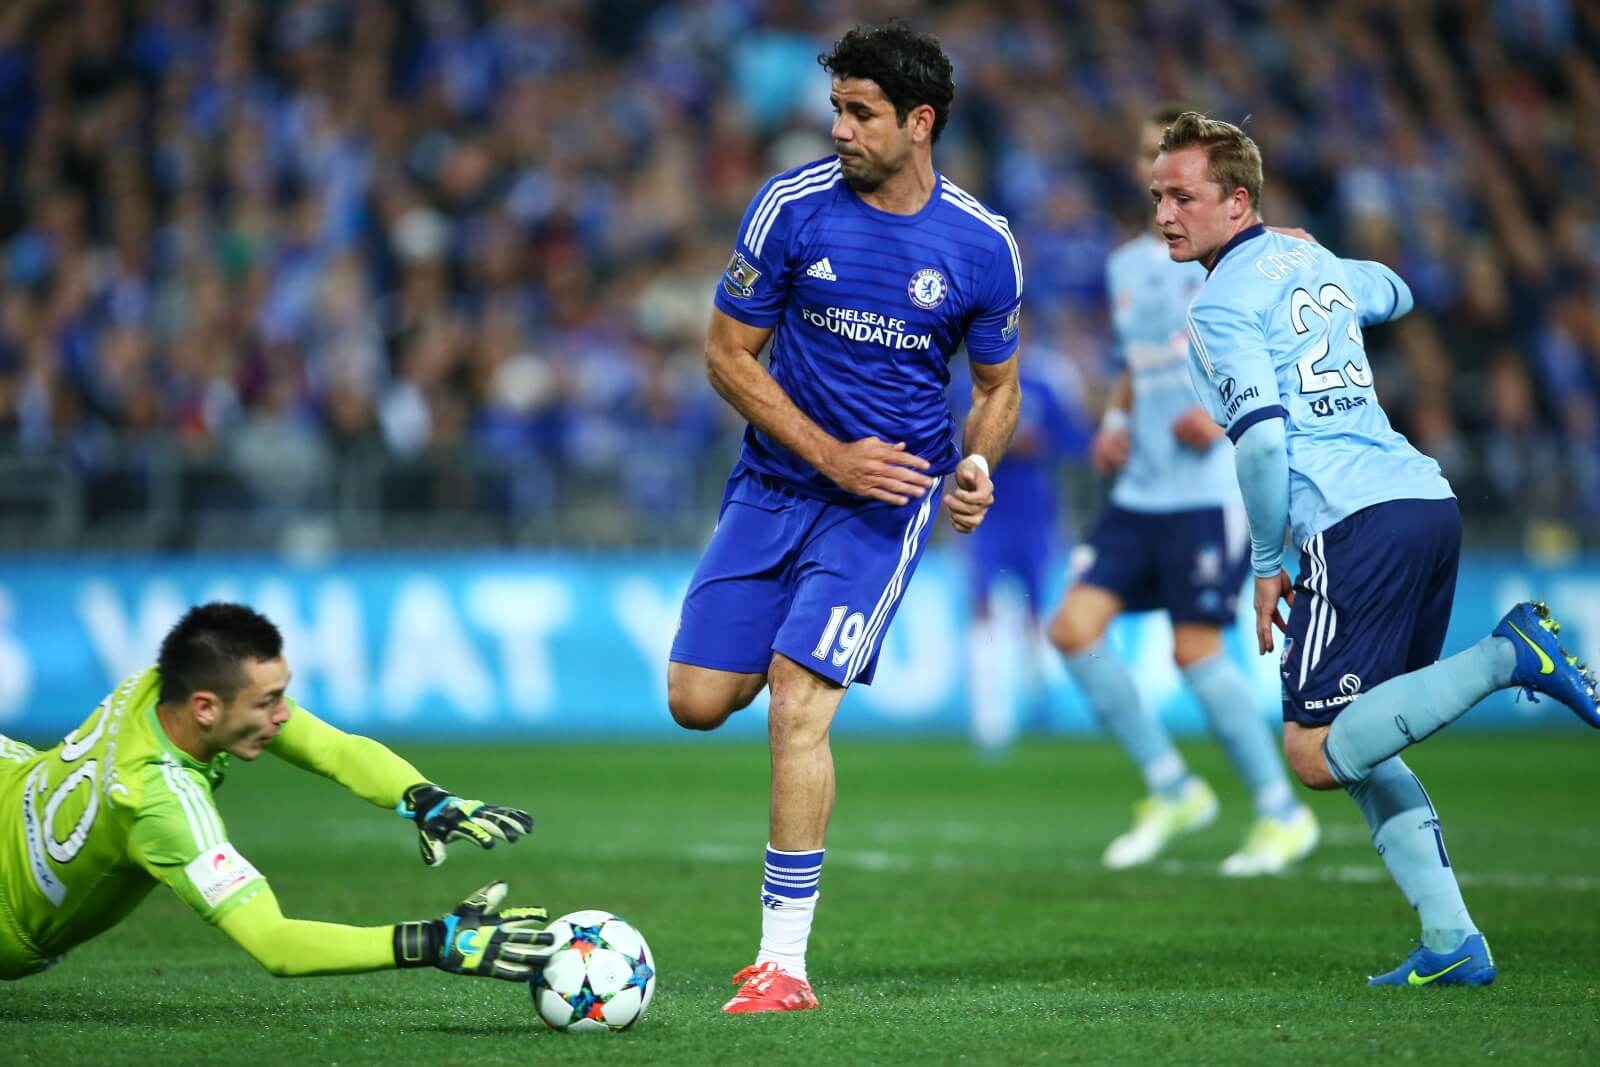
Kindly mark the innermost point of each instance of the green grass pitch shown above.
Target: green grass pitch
(964, 919)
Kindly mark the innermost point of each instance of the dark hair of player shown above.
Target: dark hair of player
(910, 67)
(207, 648)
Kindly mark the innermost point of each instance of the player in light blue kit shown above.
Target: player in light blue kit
(1173, 539)
(1279, 359)
(866, 271)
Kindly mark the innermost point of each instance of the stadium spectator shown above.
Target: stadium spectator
(427, 225)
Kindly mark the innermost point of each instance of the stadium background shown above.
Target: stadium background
(388, 316)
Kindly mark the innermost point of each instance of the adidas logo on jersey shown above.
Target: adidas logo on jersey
(822, 269)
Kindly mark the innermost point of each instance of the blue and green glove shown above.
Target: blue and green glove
(442, 817)
(478, 937)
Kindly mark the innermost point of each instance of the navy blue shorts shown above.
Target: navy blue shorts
(1190, 564)
(817, 581)
(1372, 602)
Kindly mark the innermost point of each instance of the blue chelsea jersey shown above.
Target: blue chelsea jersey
(1276, 332)
(866, 310)
(1150, 297)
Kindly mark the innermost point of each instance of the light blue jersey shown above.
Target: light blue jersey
(1276, 332)
(1150, 296)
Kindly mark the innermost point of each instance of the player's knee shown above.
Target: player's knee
(694, 713)
(1314, 775)
(1302, 750)
(1191, 646)
(698, 707)
(1071, 633)
(801, 710)
(791, 728)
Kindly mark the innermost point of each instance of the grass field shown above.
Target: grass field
(964, 919)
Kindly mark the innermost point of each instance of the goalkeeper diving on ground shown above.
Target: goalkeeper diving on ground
(125, 802)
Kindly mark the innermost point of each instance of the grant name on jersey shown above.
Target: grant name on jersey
(1279, 265)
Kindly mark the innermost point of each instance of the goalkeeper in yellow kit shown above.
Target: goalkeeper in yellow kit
(125, 801)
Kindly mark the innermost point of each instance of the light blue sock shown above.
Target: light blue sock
(1405, 829)
(1109, 688)
(1239, 728)
(1407, 709)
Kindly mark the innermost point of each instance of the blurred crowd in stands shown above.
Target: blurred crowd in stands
(281, 233)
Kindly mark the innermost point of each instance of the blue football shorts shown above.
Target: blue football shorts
(1372, 601)
(1190, 564)
(815, 580)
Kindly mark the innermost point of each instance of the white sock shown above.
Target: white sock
(785, 914)
(784, 933)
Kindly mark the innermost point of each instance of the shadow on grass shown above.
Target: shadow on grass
(532, 1028)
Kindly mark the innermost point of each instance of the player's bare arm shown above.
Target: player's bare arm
(996, 400)
(869, 467)
(1112, 442)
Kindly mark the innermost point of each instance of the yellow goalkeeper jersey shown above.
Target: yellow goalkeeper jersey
(90, 826)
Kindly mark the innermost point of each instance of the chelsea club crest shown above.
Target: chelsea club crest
(928, 288)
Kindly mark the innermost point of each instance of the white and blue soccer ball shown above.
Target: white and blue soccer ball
(601, 975)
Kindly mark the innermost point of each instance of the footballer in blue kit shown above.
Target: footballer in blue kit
(865, 272)
(1018, 540)
(1279, 357)
(1173, 539)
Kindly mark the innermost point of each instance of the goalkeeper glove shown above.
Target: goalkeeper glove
(442, 817)
(478, 937)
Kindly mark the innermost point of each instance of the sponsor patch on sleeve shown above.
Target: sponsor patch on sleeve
(740, 278)
(1009, 331)
(219, 872)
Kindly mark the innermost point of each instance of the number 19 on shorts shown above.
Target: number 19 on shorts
(846, 630)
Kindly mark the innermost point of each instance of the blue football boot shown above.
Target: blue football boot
(1543, 665)
(1471, 964)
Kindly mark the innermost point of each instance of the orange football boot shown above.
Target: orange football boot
(768, 987)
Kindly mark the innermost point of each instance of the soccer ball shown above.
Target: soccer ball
(600, 977)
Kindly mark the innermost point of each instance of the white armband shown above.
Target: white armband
(983, 464)
(1115, 419)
